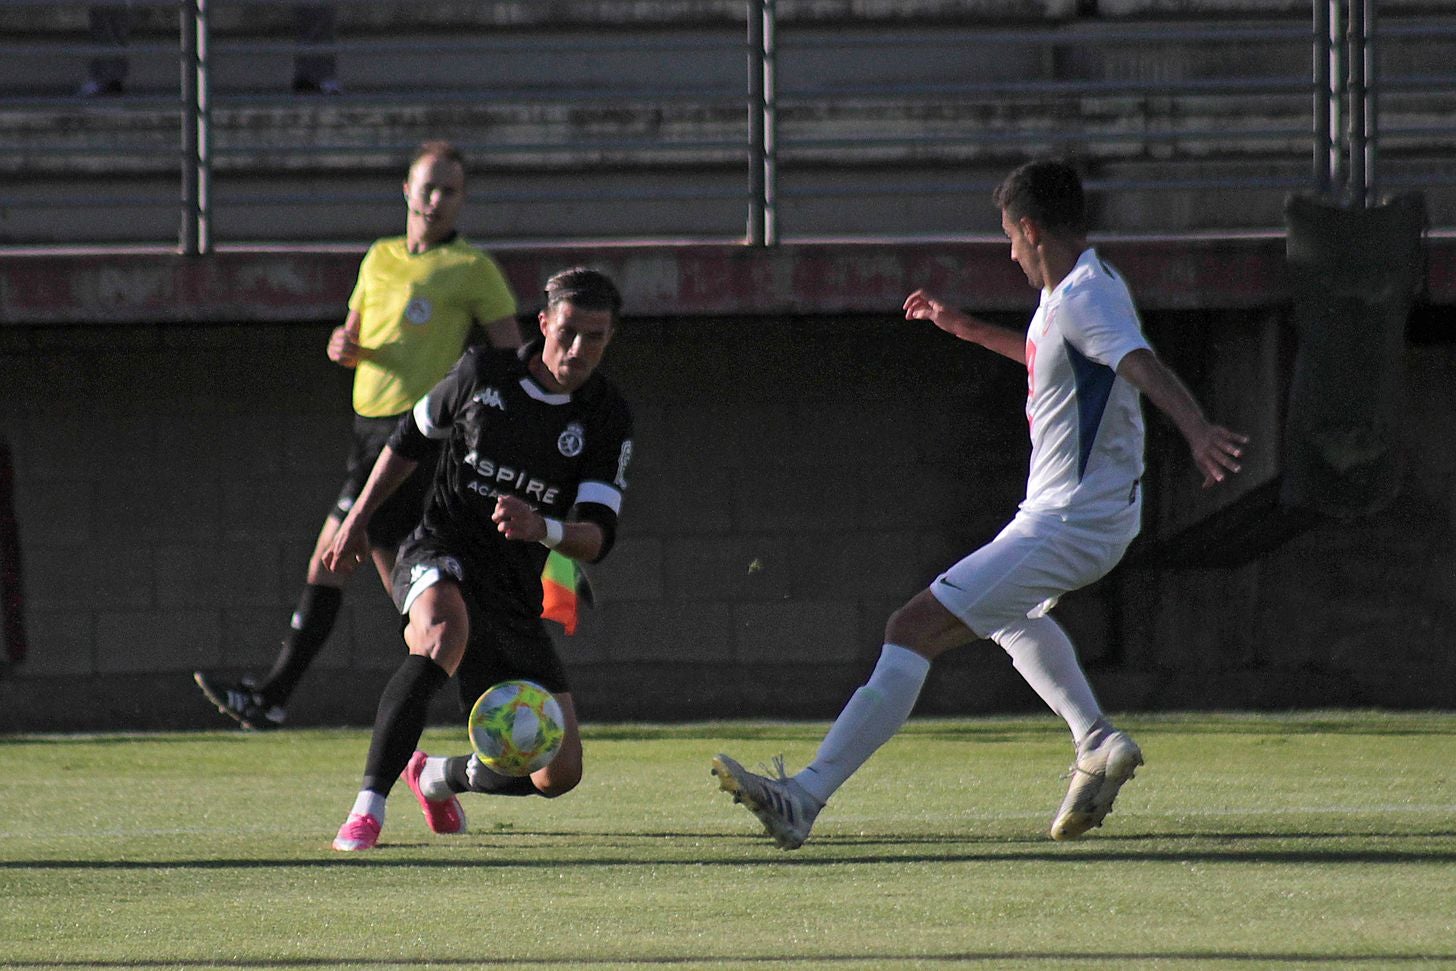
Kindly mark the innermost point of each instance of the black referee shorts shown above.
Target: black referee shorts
(401, 512)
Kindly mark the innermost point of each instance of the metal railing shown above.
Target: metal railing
(770, 150)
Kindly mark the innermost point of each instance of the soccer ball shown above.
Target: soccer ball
(516, 727)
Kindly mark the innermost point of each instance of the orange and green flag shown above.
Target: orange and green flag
(564, 588)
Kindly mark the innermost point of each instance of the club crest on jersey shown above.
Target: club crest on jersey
(418, 310)
(572, 441)
(491, 398)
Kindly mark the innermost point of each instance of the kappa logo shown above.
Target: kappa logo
(491, 398)
(572, 441)
(418, 310)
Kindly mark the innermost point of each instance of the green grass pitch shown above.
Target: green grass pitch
(1247, 841)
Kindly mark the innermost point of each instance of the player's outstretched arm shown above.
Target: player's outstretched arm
(1216, 450)
(924, 305)
(351, 541)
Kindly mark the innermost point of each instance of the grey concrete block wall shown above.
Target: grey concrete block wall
(170, 484)
(798, 479)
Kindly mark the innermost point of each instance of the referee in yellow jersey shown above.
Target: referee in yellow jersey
(413, 309)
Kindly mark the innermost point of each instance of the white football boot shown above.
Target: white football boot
(1097, 776)
(785, 809)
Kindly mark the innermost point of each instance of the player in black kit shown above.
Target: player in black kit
(535, 452)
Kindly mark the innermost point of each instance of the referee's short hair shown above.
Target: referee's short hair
(1047, 191)
(584, 288)
(438, 147)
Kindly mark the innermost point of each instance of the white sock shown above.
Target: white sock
(433, 783)
(874, 714)
(1043, 654)
(369, 803)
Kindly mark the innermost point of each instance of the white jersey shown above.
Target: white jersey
(1086, 423)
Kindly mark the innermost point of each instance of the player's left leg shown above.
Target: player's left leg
(1043, 655)
(1106, 758)
(323, 594)
(443, 812)
(259, 704)
(504, 647)
(1047, 558)
(562, 774)
(444, 777)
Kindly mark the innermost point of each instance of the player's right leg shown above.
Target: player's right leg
(436, 634)
(786, 811)
(787, 807)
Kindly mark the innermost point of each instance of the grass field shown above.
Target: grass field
(1314, 840)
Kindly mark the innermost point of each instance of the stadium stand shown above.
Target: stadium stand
(594, 119)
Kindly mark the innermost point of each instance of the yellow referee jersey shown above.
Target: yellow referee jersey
(415, 313)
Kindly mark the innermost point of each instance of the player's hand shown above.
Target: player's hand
(1217, 452)
(344, 347)
(349, 548)
(518, 521)
(924, 305)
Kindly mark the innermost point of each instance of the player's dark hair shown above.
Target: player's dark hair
(439, 147)
(1046, 191)
(584, 288)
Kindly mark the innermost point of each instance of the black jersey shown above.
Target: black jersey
(503, 434)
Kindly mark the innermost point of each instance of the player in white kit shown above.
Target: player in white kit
(1087, 362)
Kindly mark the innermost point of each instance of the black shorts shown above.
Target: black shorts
(401, 512)
(502, 644)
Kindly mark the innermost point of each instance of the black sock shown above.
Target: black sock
(465, 773)
(404, 706)
(318, 606)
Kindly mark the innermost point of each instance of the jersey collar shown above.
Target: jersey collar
(529, 384)
(1085, 263)
(450, 240)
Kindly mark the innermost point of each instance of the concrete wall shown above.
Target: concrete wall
(798, 478)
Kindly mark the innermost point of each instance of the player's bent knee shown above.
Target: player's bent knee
(552, 782)
(440, 643)
(924, 626)
(905, 628)
(562, 775)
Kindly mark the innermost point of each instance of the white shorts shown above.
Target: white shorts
(1031, 563)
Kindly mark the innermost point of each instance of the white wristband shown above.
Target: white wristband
(555, 532)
